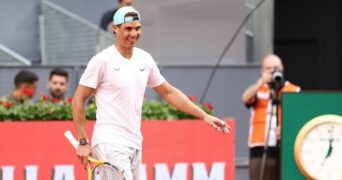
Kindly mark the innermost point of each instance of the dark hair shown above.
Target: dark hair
(59, 72)
(120, 1)
(25, 76)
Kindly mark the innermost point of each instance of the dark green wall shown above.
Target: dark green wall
(299, 108)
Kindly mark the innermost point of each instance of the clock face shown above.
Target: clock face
(318, 148)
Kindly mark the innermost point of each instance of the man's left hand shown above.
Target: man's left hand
(217, 124)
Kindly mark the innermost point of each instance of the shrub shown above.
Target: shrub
(41, 110)
(44, 110)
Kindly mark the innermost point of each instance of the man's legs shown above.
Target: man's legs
(270, 168)
(136, 164)
(123, 157)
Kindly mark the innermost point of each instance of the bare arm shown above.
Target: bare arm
(248, 97)
(81, 95)
(177, 99)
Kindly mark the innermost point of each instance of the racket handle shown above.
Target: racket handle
(71, 138)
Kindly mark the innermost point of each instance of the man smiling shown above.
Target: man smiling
(118, 77)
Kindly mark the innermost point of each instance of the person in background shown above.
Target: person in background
(25, 86)
(57, 85)
(261, 97)
(107, 18)
(118, 77)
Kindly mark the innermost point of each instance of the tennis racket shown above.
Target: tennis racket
(97, 170)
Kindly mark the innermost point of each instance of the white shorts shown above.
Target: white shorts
(125, 158)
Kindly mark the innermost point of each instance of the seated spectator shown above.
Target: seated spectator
(57, 86)
(107, 18)
(26, 83)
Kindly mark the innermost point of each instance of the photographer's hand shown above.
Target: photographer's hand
(266, 77)
(248, 96)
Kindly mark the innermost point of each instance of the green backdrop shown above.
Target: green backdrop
(299, 108)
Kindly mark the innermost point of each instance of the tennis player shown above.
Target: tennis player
(118, 77)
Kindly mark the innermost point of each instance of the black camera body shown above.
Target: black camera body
(277, 80)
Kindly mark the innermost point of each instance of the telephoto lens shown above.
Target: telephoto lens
(277, 75)
(277, 81)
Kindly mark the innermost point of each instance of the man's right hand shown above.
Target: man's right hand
(266, 77)
(83, 152)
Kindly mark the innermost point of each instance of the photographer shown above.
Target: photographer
(265, 123)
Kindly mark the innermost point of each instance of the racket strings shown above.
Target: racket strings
(107, 172)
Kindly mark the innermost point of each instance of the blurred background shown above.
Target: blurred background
(189, 40)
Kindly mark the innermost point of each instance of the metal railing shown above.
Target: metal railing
(66, 38)
(11, 58)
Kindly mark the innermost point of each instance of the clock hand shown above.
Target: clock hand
(327, 155)
(331, 140)
(330, 149)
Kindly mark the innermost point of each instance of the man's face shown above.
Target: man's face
(57, 86)
(126, 3)
(128, 34)
(270, 64)
(28, 90)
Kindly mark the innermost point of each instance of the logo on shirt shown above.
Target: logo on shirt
(142, 69)
(116, 69)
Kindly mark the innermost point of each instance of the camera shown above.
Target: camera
(277, 75)
(277, 80)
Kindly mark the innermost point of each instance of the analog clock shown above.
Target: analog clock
(318, 148)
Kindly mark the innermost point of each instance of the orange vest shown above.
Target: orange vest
(260, 111)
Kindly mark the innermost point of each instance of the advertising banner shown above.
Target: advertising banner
(182, 149)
